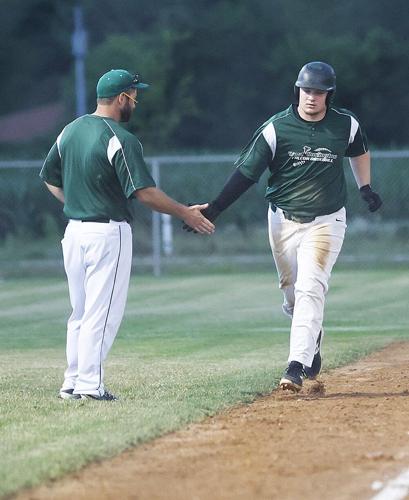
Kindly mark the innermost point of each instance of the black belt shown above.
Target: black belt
(294, 218)
(96, 220)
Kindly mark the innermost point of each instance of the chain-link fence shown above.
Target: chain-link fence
(32, 223)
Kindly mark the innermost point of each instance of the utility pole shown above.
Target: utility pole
(79, 50)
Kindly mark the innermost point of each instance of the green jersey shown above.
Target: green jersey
(305, 159)
(99, 165)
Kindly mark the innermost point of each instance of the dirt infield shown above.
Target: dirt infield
(334, 440)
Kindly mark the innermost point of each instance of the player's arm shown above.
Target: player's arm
(250, 165)
(360, 161)
(236, 185)
(361, 168)
(157, 200)
(56, 191)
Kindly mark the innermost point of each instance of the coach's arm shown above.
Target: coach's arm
(159, 201)
(56, 191)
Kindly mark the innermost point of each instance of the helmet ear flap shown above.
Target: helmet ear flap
(330, 97)
(297, 93)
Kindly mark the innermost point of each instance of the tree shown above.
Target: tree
(218, 68)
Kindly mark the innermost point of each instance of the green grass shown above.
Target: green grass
(188, 347)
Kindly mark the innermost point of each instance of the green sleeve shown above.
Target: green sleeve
(51, 170)
(255, 157)
(130, 166)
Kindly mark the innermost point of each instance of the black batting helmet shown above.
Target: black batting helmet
(316, 75)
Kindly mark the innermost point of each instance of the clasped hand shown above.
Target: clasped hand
(210, 212)
(195, 219)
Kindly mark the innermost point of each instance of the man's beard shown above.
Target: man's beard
(125, 113)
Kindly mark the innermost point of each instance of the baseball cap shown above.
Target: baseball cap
(116, 81)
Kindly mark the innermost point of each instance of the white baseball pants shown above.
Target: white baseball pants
(304, 255)
(97, 261)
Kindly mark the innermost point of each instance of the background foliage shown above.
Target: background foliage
(218, 68)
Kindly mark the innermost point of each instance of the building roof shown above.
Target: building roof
(26, 125)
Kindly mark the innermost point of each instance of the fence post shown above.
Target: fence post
(156, 260)
(167, 234)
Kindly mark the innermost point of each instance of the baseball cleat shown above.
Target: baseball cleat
(107, 396)
(68, 394)
(313, 371)
(292, 377)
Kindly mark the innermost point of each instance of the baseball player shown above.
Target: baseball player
(95, 168)
(303, 147)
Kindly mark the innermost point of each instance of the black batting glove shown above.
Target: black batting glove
(211, 213)
(373, 199)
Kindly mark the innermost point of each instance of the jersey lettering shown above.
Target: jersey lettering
(318, 154)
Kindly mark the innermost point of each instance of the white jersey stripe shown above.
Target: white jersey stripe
(113, 146)
(123, 154)
(256, 139)
(59, 140)
(354, 127)
(270, 136)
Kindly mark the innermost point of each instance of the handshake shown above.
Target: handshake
(211, 212)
